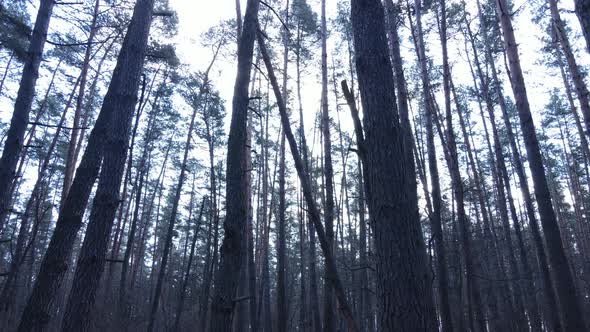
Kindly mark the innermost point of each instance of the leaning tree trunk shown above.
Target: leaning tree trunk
(314, 212)
(71, 154)
(22, 106)
(571, 313)
(122, 97)
(550, 303)
(39, 309)
(29, 137)
(402, 269)
(140, 179)
(11, 285)
(314, 316)
(581, 88)
(226, 279)
(367, 321)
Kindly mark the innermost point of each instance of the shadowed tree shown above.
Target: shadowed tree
(22, 106)
(402, 274)
(227, 276)
(571, 313)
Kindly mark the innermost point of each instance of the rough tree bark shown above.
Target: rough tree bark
(403, 281)
(122, 97)
(226, 279)
(39, 309)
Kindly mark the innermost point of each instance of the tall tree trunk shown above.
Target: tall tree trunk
(191, 255)
(303, 304)
(364, 191)
(315, 324)
(71, 156)
(551, 307)
(39, 309)
(282, 308)
(213, 232)
(311, 204)
(30, 136)
(226, 279)
(435, 217)
(123, 301)
(22, 106)
(148, 216)
(343, 206)
(328, 171)
(176, 200)
(574, 112)
(282, 313)
(402, 270)
(119, 229)
(9, 290)
(571, 313)
(365, 302)
(249, 286)
(121, 96)
(581, 88)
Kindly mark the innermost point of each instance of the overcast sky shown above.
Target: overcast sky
(196, 17)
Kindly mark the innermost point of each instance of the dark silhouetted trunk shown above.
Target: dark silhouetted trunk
(581, 88)
(314, 213)
(191, 255)
(39, 308)
(328, 171)
(22, 106)
(174, 212)
(122, 97)
(571, 313)
(282, 314)
(315, 324)
(71, 157)
(402, 268)
(11, 286)
(226, 279)
(364, 191)
(435, 217)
